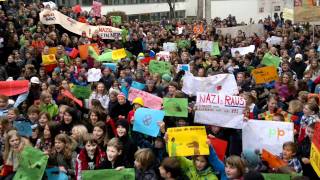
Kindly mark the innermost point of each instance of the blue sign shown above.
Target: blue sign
(147, 121)
(55, 174)
(112, 66)
(138, 85)
(23, 128)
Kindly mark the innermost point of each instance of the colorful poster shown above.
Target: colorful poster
(220, 146)
(316, 136)
(150, 100)
(83, 50)
(249, 30)
(32, 164)
(124, 174)
(265, 74)
(118, 54)
(160, 67)
(220, 83)
(273, 160)
(270, 134)
(96, 8)
(177, 107)
(49, 17)
(170, 47)
(315, 159)
(220, 110)
(94, 75)
(49, 59)
(270, 60)
(187, 141)
(243, 50)
(12, 88)
(138, 85)
(147, 121)
(164, 55)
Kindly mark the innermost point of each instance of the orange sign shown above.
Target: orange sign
(265, 74)
(273, 160)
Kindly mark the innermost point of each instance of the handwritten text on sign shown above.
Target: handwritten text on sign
(227, 110)
(265, 74)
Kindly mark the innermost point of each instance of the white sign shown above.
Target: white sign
(205, 45)
(249, 30)
(243, 50)
(220, 83)
(163, 55)
(274, 40)
(170, 47)
(269, 135)
(94, 75)
(220, 110)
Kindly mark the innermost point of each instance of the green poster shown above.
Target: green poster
(177, 107)
(124, 174)
(269, 176)
(82, 92)
(116, 19)
(184, 44)
(32, 164)
(160, 67)
(270, 60)
(215, 49)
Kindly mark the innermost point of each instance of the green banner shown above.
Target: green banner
(268, 176)
(183, 44)
(215, 49)
(82, 92)
(32, 164)
(177, 107)
(116, 19)
(160, 67)
(124, 174)
(270, 60)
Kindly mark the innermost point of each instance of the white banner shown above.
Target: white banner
(49, 17)
(274, 40)
(269, 135)
(220, 110)
(170, 47)
(205, 45)
(249, 30)
(220, 83)
(243, 50)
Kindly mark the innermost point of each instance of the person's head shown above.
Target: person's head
(289, 150)
(70, 115)
(13, 113)
(62, 109)
(122, 127)
(100, 89)
(235, 167)
(113, 96)
(33, 113)
(303, 96)
(200, 162)
(272, 103)
(4, 101)
(240, 77)
(278, 117)
(310, 109)
(4, 124)
(78, 132)
(144, 158)
(173, 87)
(313, 99)
(310, 130)
(45, 97)
(121, 98)
(295, 106)
(90, 144)
(137, 103)
(44, 118)
(12, 142)
(286, 78)
(50, 130)
(114, 149)
(170, 168)
(99, 131)
(63, 145)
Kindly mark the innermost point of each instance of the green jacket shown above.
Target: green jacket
(190, 170)
(52, 109)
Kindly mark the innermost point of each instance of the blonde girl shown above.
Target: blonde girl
(78, 133)
(144, 160)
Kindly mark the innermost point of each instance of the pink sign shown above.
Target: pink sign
(150, 101)
(96, 8)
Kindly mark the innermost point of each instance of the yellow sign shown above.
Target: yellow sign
(49, 59)
(187, 141)
(53, 50)
(118, 54)
(265, 74)
(315, 159)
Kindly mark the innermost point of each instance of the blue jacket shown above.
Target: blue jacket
(216, 164)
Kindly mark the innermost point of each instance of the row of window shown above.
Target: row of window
(124, 2)
(156, 16)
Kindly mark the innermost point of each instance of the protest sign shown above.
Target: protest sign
(96, 8)
(215, 51)
(23, 127)
(138, 85)
(55, 174)
(147, 121)
(273, 160)
(227, 110)
(49, 59)
(32, 164)
(150, 100)
(265, 74)
(11, 88)
(118, 54)
(53, 50)
(205, 45)
(306, 11)
(177, 107)
(112, 66)
(270, 60)
(83, 50)
(50, 4)
(249, 30)
(184, 67)
(73, 53)
(243, 50)
(316, 136)
(170, 47)
(160, 67)
(270, 134)
(274, 40)
(50, 17)
(220, 146)
(187, 141)
(116, 19)
(82, 92)
(124, 174)
(269, 176)
(94, 75)
(315, 158)
(220, 83)
(183, 44)
(67, 94)
(163, 55)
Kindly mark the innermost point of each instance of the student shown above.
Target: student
(144, 164)
(114, 158)
(70, 118)
(13, 114)
(90, 157)
(44, 118)
(78, 133)
(46, 140)
(235, 168)
(33, 114)
(62, 109)
(46, 104)
(288, 155)
(100, 93)
(100, 134)
(4, 102)
(170, 169)
(310, 115)
(95, 116)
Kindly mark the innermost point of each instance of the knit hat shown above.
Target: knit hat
(124, 123)
(166, 77)
(121, 95)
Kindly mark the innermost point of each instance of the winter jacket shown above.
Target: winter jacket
(149, 174)
(52, 109)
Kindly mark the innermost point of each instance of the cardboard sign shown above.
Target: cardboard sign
(316, 136)
(53, 50)
(274, 40)
(160, 67)
(150, 100)
(273, 161)
(220, 146)
(147, 121)
(118, 54)
(270, 60)
(163, 55)
(187, 141)
(205, 45)
(23, 128)
(249, 30)
(55, 174)
(83, 92)
(49, 59)
(124, 174)
(184, 67)
(94, 75)
(177, 107)
(112, 66)
(67, 94)
(270, 134)
(265, 74)
(138, 85)
(170, 47)
(315, 158)
(227, 110)
(83, 50)
(215, 49)
(243, 50)
(12, 88)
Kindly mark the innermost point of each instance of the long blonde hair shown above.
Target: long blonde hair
(7, 147)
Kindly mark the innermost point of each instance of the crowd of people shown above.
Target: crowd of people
(100, 135)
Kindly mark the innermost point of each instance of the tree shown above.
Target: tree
(172, 6)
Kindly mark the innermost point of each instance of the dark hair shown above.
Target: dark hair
(73, 114)
(291, 145)
(172, 165)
